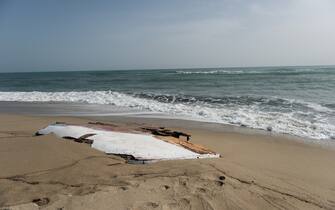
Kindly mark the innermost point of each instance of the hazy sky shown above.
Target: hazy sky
(73, 35)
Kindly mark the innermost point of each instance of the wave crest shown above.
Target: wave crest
(264, 70)
(282, 115)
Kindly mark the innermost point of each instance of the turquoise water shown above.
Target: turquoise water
(295, 100)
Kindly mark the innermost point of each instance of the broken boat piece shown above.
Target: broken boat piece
(81, 139)
(161, 131)
(142, 146)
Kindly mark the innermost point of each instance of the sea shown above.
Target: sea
(299, 101)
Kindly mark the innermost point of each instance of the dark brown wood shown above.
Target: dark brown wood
(101, 123)
(82, 139)
(161, 131)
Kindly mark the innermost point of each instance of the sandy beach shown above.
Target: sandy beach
(167, 105)
(256, 171)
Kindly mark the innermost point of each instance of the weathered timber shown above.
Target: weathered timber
(161, 131)
(81, 139)
(101, 123)
(187, 145)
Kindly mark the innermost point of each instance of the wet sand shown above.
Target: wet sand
(256, 171)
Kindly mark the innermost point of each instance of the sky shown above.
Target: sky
(65, 35)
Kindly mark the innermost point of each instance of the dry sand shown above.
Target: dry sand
(256, 171)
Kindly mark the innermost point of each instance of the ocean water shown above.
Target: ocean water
(293, 100)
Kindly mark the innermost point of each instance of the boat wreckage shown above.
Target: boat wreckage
(139, 145)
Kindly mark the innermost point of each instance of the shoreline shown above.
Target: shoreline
(110, 112)
(177, 123)
(271, 171)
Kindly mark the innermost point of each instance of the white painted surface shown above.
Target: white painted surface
(141, 146)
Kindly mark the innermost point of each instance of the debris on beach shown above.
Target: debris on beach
(143, 145)
(161, 131)
(41, 201)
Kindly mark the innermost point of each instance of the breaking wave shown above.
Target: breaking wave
(264, 70)
(210, 72)
(293, 117)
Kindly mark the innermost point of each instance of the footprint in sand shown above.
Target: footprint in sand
(41, 201)
(219, 183)
(165, 187)
(124, 188)
(222, 178)
(152, 204)
(201, 190)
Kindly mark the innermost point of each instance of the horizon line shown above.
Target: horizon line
(179, 68)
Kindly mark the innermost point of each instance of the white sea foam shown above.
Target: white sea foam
(211, 72)
(248, 115)
(250, 71)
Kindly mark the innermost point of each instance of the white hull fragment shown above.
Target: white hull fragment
(140, 146)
